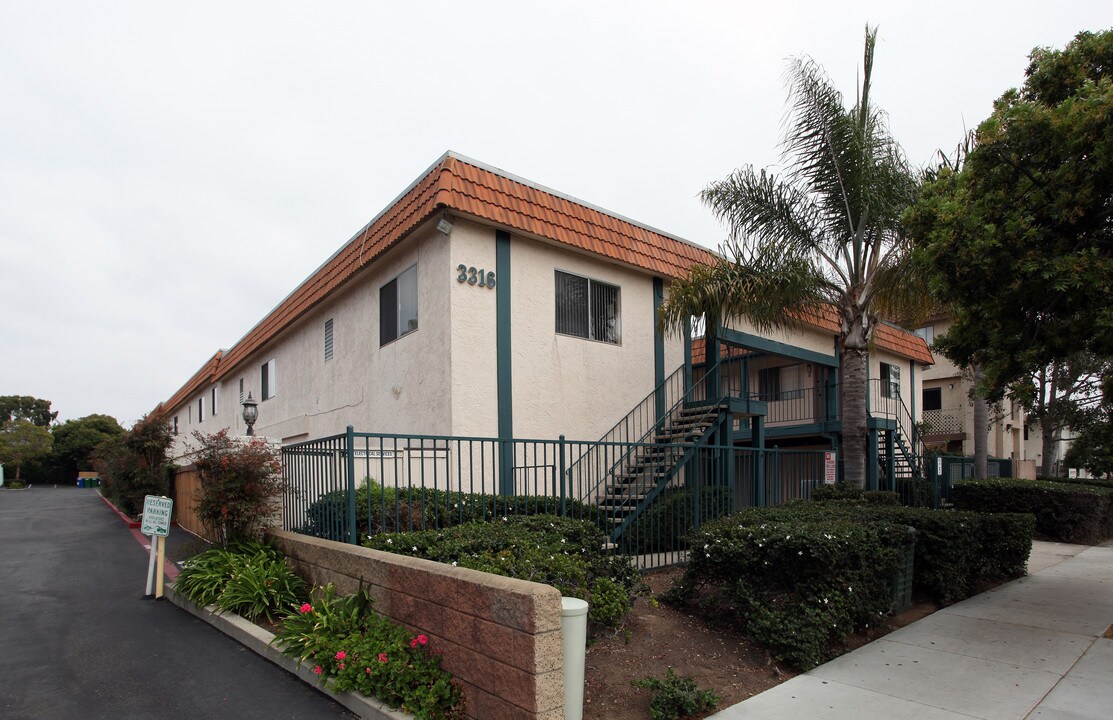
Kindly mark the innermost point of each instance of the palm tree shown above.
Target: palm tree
(825, 235)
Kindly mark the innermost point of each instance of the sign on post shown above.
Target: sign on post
(829, 468)
(156, 515)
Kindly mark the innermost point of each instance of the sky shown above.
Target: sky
(170, 171)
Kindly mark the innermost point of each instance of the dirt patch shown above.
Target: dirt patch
(711, 651)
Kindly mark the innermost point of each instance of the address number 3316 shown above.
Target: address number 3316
(471, 276)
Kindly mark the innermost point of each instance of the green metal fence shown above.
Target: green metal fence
(347, 486)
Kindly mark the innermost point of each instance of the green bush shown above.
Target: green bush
(385, 509)
(356, 649)
(1072, 513)
(247, 578)
(134, 465)
(567, 554)
(676, 697)
(241, 485)
(663, 525)
(846, 491)
(799, 586)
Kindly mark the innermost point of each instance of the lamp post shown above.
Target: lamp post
(250, 414)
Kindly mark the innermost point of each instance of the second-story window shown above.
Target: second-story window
(588, 308)
(890, 380)
(398, 307)
(269, 378)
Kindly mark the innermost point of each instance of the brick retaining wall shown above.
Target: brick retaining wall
(500, 636)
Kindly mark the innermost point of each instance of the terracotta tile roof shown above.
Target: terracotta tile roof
(465, 186)
(200, 380)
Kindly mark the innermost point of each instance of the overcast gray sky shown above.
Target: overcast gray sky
(170, 171)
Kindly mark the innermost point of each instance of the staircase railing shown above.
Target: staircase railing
(885, 401)
(598, 463)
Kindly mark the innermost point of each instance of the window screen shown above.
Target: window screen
(269, 379)
(587, 308)
(398, 307)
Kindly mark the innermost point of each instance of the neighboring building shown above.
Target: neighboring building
(948, 413)
(480, 304)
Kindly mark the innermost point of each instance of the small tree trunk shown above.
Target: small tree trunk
(852, 398)
(1049, 447)
(981, 429)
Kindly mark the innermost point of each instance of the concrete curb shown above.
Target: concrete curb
(130, 523)
(259, 640)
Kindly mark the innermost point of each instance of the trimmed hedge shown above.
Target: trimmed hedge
(956, 552)
(380, 509)
(1069, 512)
(567, 554)
(799, 585)
(1095, 482)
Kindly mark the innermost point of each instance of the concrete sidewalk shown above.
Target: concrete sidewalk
(1032, 648)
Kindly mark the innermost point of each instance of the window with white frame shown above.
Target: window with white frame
(588, 308)
(328, 339)
(269, 380)
(927, 332)
(890, 380)
(175, 424)
(200, 409)
(398, 307)
(212, 402)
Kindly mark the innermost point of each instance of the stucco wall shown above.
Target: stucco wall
(399, 387)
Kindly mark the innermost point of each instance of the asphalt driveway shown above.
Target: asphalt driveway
(78, 640)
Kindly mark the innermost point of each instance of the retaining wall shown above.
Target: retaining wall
(500, 636)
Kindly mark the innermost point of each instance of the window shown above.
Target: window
(200, 409)
(328, 339)
(189, 414)
(587, 308)
(769, 384)
(933, 399)
(241, 391)
(927, 332)
(890, 381)
(398, 307)
(269, 382)
(176, 425)
(212, 402)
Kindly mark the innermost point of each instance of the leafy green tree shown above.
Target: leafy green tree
(1092, 447)
(25, 407)
(1018, 238)
(22, 441)
(826, 234)
(75, 441)
(135, 464)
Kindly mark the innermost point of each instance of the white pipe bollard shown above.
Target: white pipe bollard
(573, 628)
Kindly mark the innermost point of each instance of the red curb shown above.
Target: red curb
(169, 568)
(130, 523)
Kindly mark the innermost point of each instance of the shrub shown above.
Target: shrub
(241, 485)
(846, 491)
(662, 526)
(134, 465)
(359, 650)
(247, 578)
(956, 551)
(567, 554)
(385, 509)
(1071, 513)
(676, 697)
(799, 585)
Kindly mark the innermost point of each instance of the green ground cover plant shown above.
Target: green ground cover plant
(385, 509)
(247, 578)
(676, 697)
(1068, 512)
(567, 554)
(353, 648)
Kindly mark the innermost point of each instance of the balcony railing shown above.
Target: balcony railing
(947, 421)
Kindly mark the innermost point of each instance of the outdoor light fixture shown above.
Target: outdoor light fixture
(444, 225)
(250, 414)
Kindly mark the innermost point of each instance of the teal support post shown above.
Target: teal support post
(563, 479)
(871, 460)
(504, 360)
(891, 465)
(712, 383)
(757, 430)
(687, 356)
(353, 532)
(658, 348)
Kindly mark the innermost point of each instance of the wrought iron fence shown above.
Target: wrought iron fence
(347, 486)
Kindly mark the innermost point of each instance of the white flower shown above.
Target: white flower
(389, 541)
(453, 563)
(415, 548)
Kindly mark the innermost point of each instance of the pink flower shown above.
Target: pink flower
(419, 640)
(367, 670)
(317, 670)
(306, 608)
(341, 666)
(382, 659)
(341, 655)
